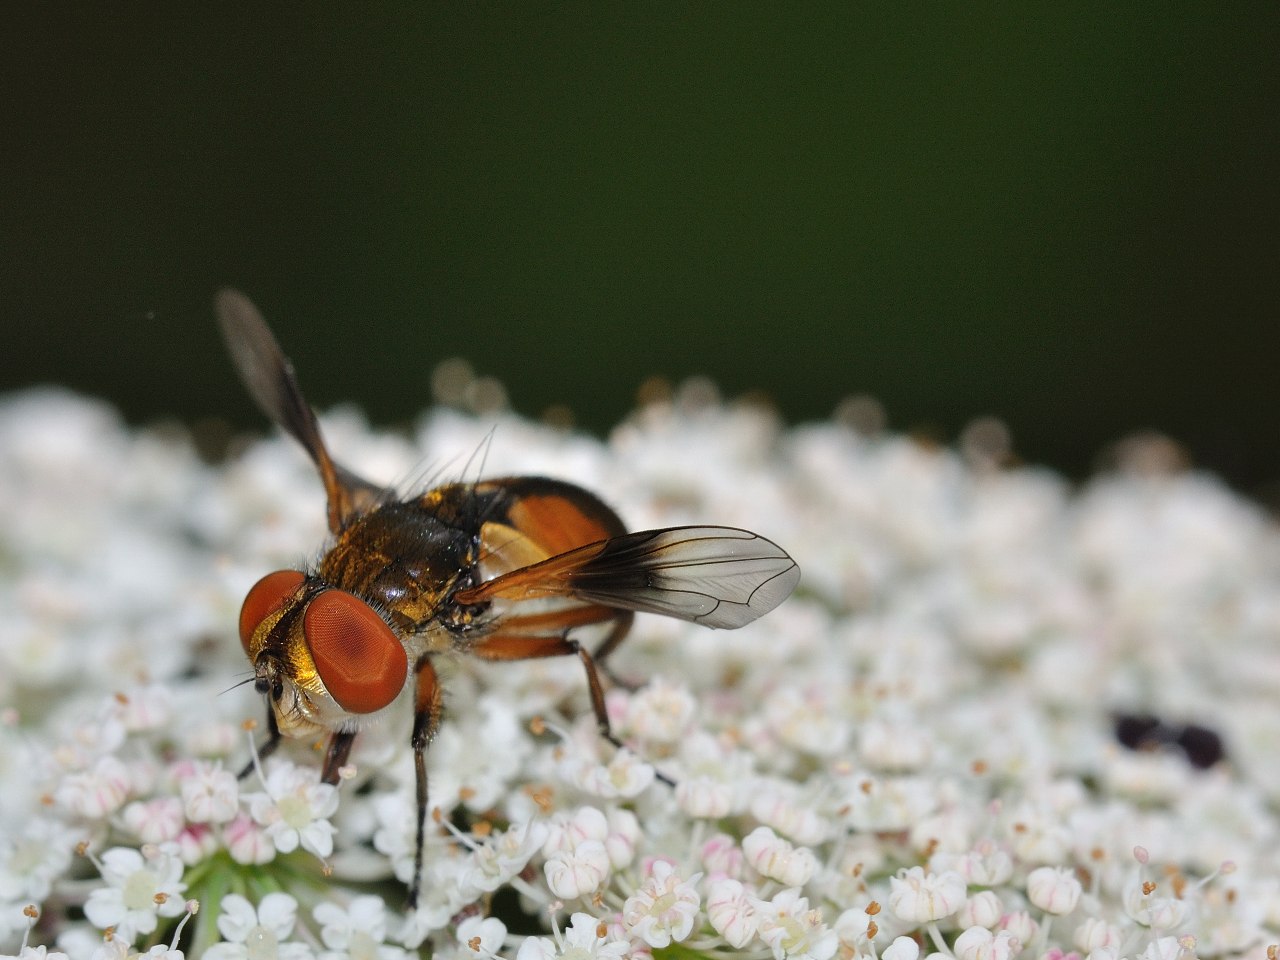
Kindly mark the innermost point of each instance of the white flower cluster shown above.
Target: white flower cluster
(916, 755)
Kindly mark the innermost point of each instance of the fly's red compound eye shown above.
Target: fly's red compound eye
(361, 662)
(265, 598)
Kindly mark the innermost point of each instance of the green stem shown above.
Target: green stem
(206, 921)
(678, 951)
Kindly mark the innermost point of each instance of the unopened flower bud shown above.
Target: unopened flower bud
(774, 857)
(918, 897)
(979, 943)
(705, 798)
(1053, 889)
(986, 865)
(578, 872)
(732, 912)
(1020, 926)
(983, 909)
(1095, 934)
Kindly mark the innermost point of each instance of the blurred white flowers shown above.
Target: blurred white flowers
(916, 755)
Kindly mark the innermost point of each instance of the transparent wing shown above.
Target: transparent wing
(715, 576)
(269, 375)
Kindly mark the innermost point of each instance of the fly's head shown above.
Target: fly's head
(322, 657)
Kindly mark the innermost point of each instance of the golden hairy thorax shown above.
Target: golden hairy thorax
(404, 558)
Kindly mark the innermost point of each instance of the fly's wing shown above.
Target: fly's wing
(715, 576)
(269, 375)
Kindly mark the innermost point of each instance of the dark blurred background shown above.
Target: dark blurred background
(1065, 217)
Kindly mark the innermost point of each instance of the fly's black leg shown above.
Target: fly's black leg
(336, 756)
(621, 627)
(426, 720)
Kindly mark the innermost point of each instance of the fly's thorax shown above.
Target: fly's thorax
(403, 558)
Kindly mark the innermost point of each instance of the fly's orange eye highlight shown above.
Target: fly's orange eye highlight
(266, 597)
(362, 663)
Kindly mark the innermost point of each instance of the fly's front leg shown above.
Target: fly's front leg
(336, 756)
(426, 720)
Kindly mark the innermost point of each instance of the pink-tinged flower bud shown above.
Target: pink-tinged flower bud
(247, 842)
(617, 703)
(97, 792)
(721, 856)
(210, 794)
(620, 843)
(1095, 934)
(570, 829)
(576, 873)
(732, 912)
(979, 943)
(1020, 925)
(983, 909)
(155, 821)
(625, 775)
(918, 897)
(986, 865)
(196, 842)
(789, 817)
(1053, 889)
(1167, 913)
(774, 857)
(705, 798)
